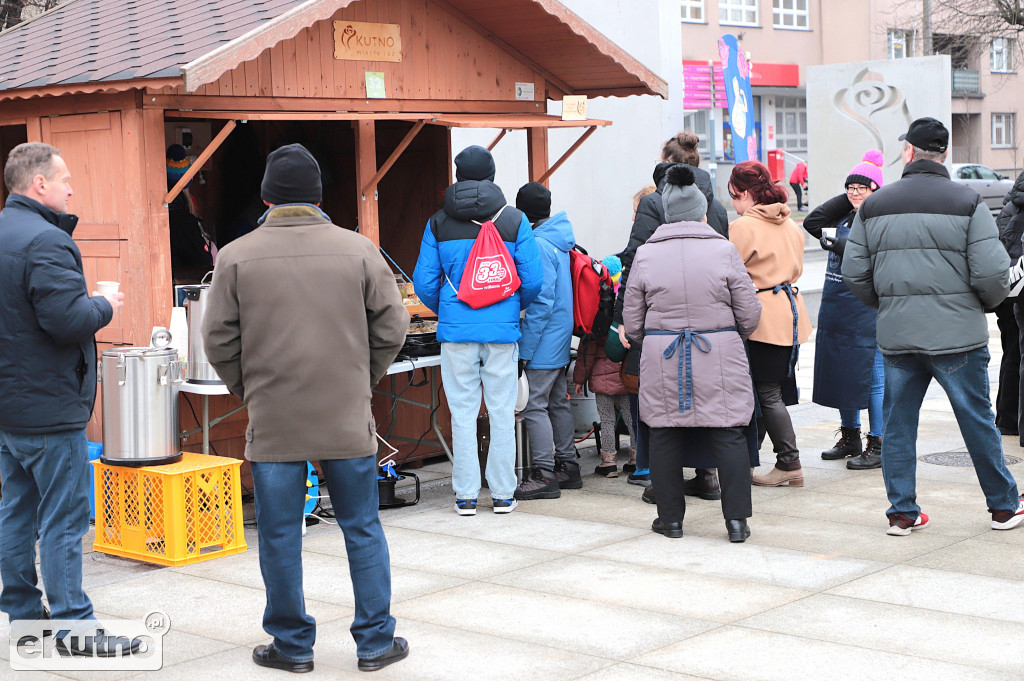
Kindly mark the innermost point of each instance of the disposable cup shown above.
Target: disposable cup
(107, 288)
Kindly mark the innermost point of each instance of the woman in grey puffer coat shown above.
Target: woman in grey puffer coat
(690, 298)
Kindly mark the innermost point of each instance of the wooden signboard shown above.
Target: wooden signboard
(361, 41)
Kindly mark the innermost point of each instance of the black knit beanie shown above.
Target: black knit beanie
(474, 163)
(292, 176)
(534, 199)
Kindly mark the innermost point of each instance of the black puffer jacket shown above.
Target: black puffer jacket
(47, 322)
(650, 214)
(1011, 219)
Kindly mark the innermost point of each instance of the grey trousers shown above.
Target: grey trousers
(548, 417)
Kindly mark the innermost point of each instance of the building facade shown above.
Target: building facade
(783, 37)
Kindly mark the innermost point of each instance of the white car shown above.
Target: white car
(991, 185)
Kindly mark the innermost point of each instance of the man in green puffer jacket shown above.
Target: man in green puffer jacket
(925, 252)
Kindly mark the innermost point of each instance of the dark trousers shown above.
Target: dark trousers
(1008, 397)
(668, 447)
(641, 433)
(776, 423)
(799, 191)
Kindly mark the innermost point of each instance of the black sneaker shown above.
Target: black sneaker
(540, 484)
(568, 475)
(648, 495)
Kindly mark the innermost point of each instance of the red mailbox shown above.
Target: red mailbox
(777, 164)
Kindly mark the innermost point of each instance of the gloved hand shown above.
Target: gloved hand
(522, 366)
(837, 246)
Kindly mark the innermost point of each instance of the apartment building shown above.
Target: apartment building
(783, 37)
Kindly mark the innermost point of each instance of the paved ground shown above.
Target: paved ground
(580, 588)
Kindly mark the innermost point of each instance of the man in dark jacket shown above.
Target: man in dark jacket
(47, 390)
(478, 347)
(926, 253)
(1010, 318)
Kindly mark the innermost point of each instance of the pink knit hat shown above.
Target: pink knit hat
(869, 171)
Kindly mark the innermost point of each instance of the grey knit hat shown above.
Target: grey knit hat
(683, 200)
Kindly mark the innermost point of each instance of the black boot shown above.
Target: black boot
(568, 475)
(738, 530)
(705, 485)
(871, 458)
(849, 445)
(541, 484)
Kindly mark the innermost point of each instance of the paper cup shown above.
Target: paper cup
(107, 288)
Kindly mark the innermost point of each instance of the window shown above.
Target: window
(791, 124)
(692, 11)
(740, 12)
(1002, 55)
(790, 14)
(697, 123)
(899, 44)
(1002, 130)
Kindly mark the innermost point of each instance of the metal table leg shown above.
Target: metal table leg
(206, 424)
(435, 401)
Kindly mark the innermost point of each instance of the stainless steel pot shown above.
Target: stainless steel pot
(140, 406)
(199, 368)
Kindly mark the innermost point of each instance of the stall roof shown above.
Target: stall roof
(110, 44)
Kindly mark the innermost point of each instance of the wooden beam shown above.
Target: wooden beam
(569, 152)
(91, 87)
(537, 152)
(231, 103)
(244, 115)
(410, 136)
(203, 158)
(366, 167)
(490, 147)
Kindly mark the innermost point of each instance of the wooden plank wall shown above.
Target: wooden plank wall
(444, 58)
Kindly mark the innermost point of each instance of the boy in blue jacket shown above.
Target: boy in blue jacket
(544, 353)
(478, 347)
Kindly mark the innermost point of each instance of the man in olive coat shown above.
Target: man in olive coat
(304, 319)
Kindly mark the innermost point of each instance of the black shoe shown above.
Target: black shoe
(267, 656)
(399, 651)
(568, 475)
(629, 468)
(648, 495)
(849, 445)
(540, 484)
(1008, 431)
(871, 458)
(705, 485)
(99, 645)
(738, 530)
(671, 530)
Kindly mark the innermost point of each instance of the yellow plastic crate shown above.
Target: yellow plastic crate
(181, 513)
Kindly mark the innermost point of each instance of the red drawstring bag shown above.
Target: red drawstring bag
(490, 275)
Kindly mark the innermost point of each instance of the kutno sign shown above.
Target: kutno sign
(360, 41)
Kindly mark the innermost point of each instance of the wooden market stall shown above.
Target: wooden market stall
(372, 87)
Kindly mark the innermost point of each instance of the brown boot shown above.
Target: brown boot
(608, 467)
(777, 478)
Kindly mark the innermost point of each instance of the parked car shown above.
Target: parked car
(991, 185)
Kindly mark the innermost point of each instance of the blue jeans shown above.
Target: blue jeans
(45, 494)
(964, 378)
(850, 418)
(280, 499)
(465, 368)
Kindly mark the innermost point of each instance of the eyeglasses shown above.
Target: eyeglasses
(857, 189)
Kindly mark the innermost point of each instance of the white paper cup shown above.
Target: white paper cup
(107, 288)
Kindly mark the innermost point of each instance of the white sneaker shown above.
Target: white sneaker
(465, 506)
(900, 525)
(505, 505)
(1007, 520)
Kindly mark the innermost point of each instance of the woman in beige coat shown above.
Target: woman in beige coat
(772, 248)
